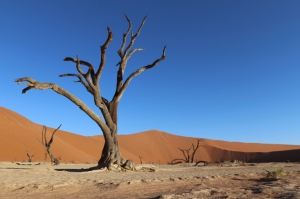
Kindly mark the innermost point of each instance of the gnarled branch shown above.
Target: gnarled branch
(51, 140)
(89, 74)
(81, 80)
(186, 154)
(120, 51)
(124, 55)
(93, 86)
(133, 37)
(133, 51)
(195, 149)
(119, 94)
(103, 55)
(77, 61)
(33, 84)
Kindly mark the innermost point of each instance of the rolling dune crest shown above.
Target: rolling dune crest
(18, 134)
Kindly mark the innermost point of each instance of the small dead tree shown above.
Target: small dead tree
(188, 158)
(47, 145)
(90, 79)
(30, 157)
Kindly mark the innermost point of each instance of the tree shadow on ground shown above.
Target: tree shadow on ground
(81, 170)
(15, 168)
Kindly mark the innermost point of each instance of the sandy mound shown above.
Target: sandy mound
(19, 134)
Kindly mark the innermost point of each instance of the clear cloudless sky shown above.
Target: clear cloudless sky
(232, 70)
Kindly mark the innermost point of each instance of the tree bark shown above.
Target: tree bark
(111, 153)
(54, 160)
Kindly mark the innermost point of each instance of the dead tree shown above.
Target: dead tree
(47, 145)
(188, 158)
(90, 79)
(30, 157)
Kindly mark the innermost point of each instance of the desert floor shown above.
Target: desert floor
(225, 180)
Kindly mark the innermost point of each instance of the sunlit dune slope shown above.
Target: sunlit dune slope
(18, 135)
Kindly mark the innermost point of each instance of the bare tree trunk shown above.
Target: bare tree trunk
(54, 160)
(111, 153)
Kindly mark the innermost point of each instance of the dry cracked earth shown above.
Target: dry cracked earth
(164, 181)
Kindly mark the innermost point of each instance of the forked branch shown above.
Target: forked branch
(133, 37)
(119, 94)
(51, 140)
(80, 62)
(33, 84)
(80, 79)
(90, 81)
(120, 51)
(86, 75)
(30, 157)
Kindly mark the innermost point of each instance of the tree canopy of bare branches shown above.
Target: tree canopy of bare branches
(188, 158)
(90, 79)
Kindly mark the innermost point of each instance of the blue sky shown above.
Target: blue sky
(232, 69)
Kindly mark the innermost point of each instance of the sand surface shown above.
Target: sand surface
(18, 135)
(167, 181)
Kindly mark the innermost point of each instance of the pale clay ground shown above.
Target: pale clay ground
(173, 181)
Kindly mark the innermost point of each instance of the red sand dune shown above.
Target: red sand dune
(18, 134)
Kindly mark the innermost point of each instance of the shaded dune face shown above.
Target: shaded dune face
(18, 135)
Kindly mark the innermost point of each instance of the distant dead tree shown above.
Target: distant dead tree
(188, 158)
(47, 145)
(141, 161)
(90, 79)
(30, 157)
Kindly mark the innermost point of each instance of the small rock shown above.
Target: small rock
(134, 182)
